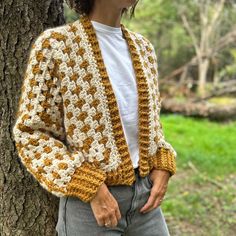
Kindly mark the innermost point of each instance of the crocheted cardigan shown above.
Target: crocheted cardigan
(68, 132)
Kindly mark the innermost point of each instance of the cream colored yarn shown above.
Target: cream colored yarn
(68, 131)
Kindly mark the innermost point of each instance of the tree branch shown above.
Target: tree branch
(192, 35)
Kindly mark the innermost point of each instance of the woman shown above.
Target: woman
(88, 126)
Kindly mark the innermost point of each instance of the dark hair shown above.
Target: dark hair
(85, 7)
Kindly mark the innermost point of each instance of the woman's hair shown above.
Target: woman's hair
(85, 6)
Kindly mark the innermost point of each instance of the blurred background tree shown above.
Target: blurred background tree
(190, 38)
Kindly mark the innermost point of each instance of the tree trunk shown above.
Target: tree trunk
(26, 208)
(202, 74)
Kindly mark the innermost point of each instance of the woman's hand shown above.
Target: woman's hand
(160, 180)
(105, 207)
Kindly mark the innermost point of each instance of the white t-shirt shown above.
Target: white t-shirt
(118, 63)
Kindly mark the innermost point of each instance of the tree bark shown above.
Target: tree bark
(25, 207)
(202, 74)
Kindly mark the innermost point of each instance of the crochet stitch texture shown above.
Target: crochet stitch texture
(68, 131)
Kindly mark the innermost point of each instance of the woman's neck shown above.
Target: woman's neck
(111, 18)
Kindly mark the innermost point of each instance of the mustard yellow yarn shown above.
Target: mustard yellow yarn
(68, 130)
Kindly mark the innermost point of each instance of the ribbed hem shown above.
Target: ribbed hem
(164, 160)
(85, 182)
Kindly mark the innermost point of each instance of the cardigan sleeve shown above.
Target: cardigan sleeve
(165, 158)
(39, 133)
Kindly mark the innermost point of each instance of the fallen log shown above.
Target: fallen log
(202, 109)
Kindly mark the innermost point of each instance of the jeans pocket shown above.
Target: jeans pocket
(65, 215)
(61, 223)
(149, 180)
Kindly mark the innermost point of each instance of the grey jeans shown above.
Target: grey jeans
(76, 217)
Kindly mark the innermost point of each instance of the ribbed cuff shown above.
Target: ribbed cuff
(85, 181)
(165, 160)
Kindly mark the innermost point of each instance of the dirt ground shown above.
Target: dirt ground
(200, 206)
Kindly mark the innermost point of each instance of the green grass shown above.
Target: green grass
(209, 145)
(201, 197)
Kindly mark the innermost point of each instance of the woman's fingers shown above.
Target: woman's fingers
(158, 202)
(115, 208)
(111, 219)
(113, 215)
(159, 179)
(153, 200)
(150, 202)
(105, 208)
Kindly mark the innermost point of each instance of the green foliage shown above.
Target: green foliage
(70, 14)
(159, 21)
(230, 70)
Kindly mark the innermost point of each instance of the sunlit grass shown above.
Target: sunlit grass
(209, 145)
